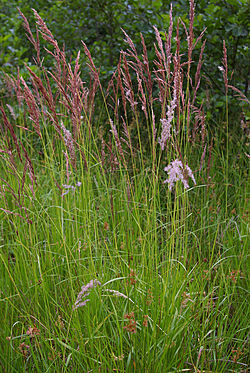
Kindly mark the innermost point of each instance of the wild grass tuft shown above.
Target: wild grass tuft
(106, 267)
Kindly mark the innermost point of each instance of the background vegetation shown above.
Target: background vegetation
(99, 23)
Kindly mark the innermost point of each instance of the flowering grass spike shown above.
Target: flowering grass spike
(176, 171)
(84, 293)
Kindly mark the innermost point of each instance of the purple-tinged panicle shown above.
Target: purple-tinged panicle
(46, 92)
(127, 138)
(132, 53)
(168, 44)
(117, 293)
(225, 75)
(30, 36)
(128, 87)
(33, 108)
(119, 82)
(70, 187)
(117, 141)
(176, 171)
(142, 97)
(84, 293)
(116, 136)
(148, 81)
(224, 68)
(191, 30)
(48, 36)
(8, 125)
(198, 72)
(160, 45)
(69, 144)
(166, 127)
(91, 64)
(241, 95)
(78, 95)
(166, 123)
(154, 127)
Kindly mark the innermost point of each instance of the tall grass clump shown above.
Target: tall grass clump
(123, 216)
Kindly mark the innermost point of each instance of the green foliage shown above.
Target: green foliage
(223, 20)
(227, 21)
(12, 48)
(98, 24)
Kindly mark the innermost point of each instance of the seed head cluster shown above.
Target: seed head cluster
(176, 171)
(85, 291)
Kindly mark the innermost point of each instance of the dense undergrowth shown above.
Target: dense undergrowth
(124, 218)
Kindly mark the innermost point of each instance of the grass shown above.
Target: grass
(84, 203)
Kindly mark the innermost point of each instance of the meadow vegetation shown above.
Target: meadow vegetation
(123, 214)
